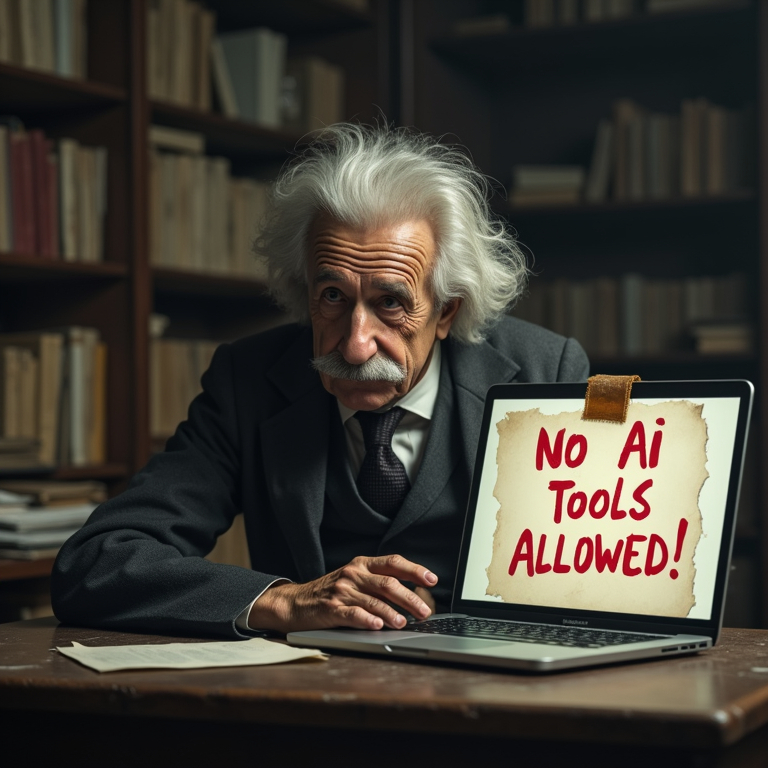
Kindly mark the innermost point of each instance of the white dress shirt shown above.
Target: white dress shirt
(408, 442)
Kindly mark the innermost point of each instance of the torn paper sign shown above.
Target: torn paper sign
(237, 653)
(595, 514)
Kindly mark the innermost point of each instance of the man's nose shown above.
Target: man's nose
(359, 343)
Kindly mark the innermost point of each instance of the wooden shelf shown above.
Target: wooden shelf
(293, 17)
(13, 570)
(33, 91)
(619, 42)
(112, 471)
(175, 281)
(672, 206)
(225, 136)
(23, 267)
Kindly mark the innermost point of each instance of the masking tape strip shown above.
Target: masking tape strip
(608, 398)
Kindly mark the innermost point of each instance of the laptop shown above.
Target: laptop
(587, 542)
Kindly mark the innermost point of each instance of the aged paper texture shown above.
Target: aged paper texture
(610, 549)
(236, 653)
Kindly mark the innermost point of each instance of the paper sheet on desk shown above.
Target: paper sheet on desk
(237, 653)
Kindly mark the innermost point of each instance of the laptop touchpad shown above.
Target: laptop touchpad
(421, 645)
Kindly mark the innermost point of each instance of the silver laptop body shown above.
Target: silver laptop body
(586, 575)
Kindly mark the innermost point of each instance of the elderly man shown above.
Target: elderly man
(347, 440)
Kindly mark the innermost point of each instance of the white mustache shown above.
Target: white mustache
(378, 368)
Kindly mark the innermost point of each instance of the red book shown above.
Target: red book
(22, 195)
(40, 194)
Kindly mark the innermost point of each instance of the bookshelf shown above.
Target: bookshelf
(520, 95)
(110, 107)
(517, 96)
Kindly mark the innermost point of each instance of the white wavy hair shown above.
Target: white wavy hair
(373, 176)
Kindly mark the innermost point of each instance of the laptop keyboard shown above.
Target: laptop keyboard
(547, 634)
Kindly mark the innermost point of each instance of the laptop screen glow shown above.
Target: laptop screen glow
(603, 517)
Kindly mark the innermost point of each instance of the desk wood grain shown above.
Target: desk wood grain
(711, 704)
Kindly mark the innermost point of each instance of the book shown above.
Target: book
(627, 120)
(36, 539)
(567, 12)
(46, 519)
(6, 211)
(204, 26)
(539, 13)
(256, 60)
(222, 81)
(56, 492)
(314, 97)
(670, 6)
(692, 124)
(6, 34)
(29, 554)
(69, 223)
(22, 191)
(533, 198)
(494, 24)
(598, 179)
(10, 381)
(594, 10)
(548, 177)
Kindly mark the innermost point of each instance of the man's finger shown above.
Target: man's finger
(400, 568)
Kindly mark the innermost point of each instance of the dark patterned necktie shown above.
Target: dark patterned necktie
(382, 481)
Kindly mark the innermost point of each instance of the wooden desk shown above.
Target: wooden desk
(705, 710)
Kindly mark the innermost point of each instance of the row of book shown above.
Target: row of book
(53, 195)
(176, 366)
(49, 35)
(636, 315)
(548, 13)
(706, 150)
(52, 399)
(38, 516)
(201, 218)
(249, 70)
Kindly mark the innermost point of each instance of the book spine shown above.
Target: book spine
(22, 193)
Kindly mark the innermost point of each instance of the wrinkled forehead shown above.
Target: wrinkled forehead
(405, 249)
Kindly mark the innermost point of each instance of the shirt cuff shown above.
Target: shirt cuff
(241, 622)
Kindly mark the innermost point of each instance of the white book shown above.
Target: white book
(69, 219)
(82, 351)
(36, 539)
(63, 29)
(632, 314)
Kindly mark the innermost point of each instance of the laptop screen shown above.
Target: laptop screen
(632, 519)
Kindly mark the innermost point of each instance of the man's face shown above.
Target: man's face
(369, 296)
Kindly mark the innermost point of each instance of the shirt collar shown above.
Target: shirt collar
(421, 399)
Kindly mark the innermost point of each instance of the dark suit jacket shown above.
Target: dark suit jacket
(256, 442)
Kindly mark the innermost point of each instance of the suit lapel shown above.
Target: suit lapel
(294, 444)
(475, 368)
(467, 373)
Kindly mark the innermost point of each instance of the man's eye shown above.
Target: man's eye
(388, 302)
(332, 294)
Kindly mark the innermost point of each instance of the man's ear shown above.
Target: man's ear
(447, 316)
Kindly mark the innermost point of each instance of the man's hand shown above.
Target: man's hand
(357, 595)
